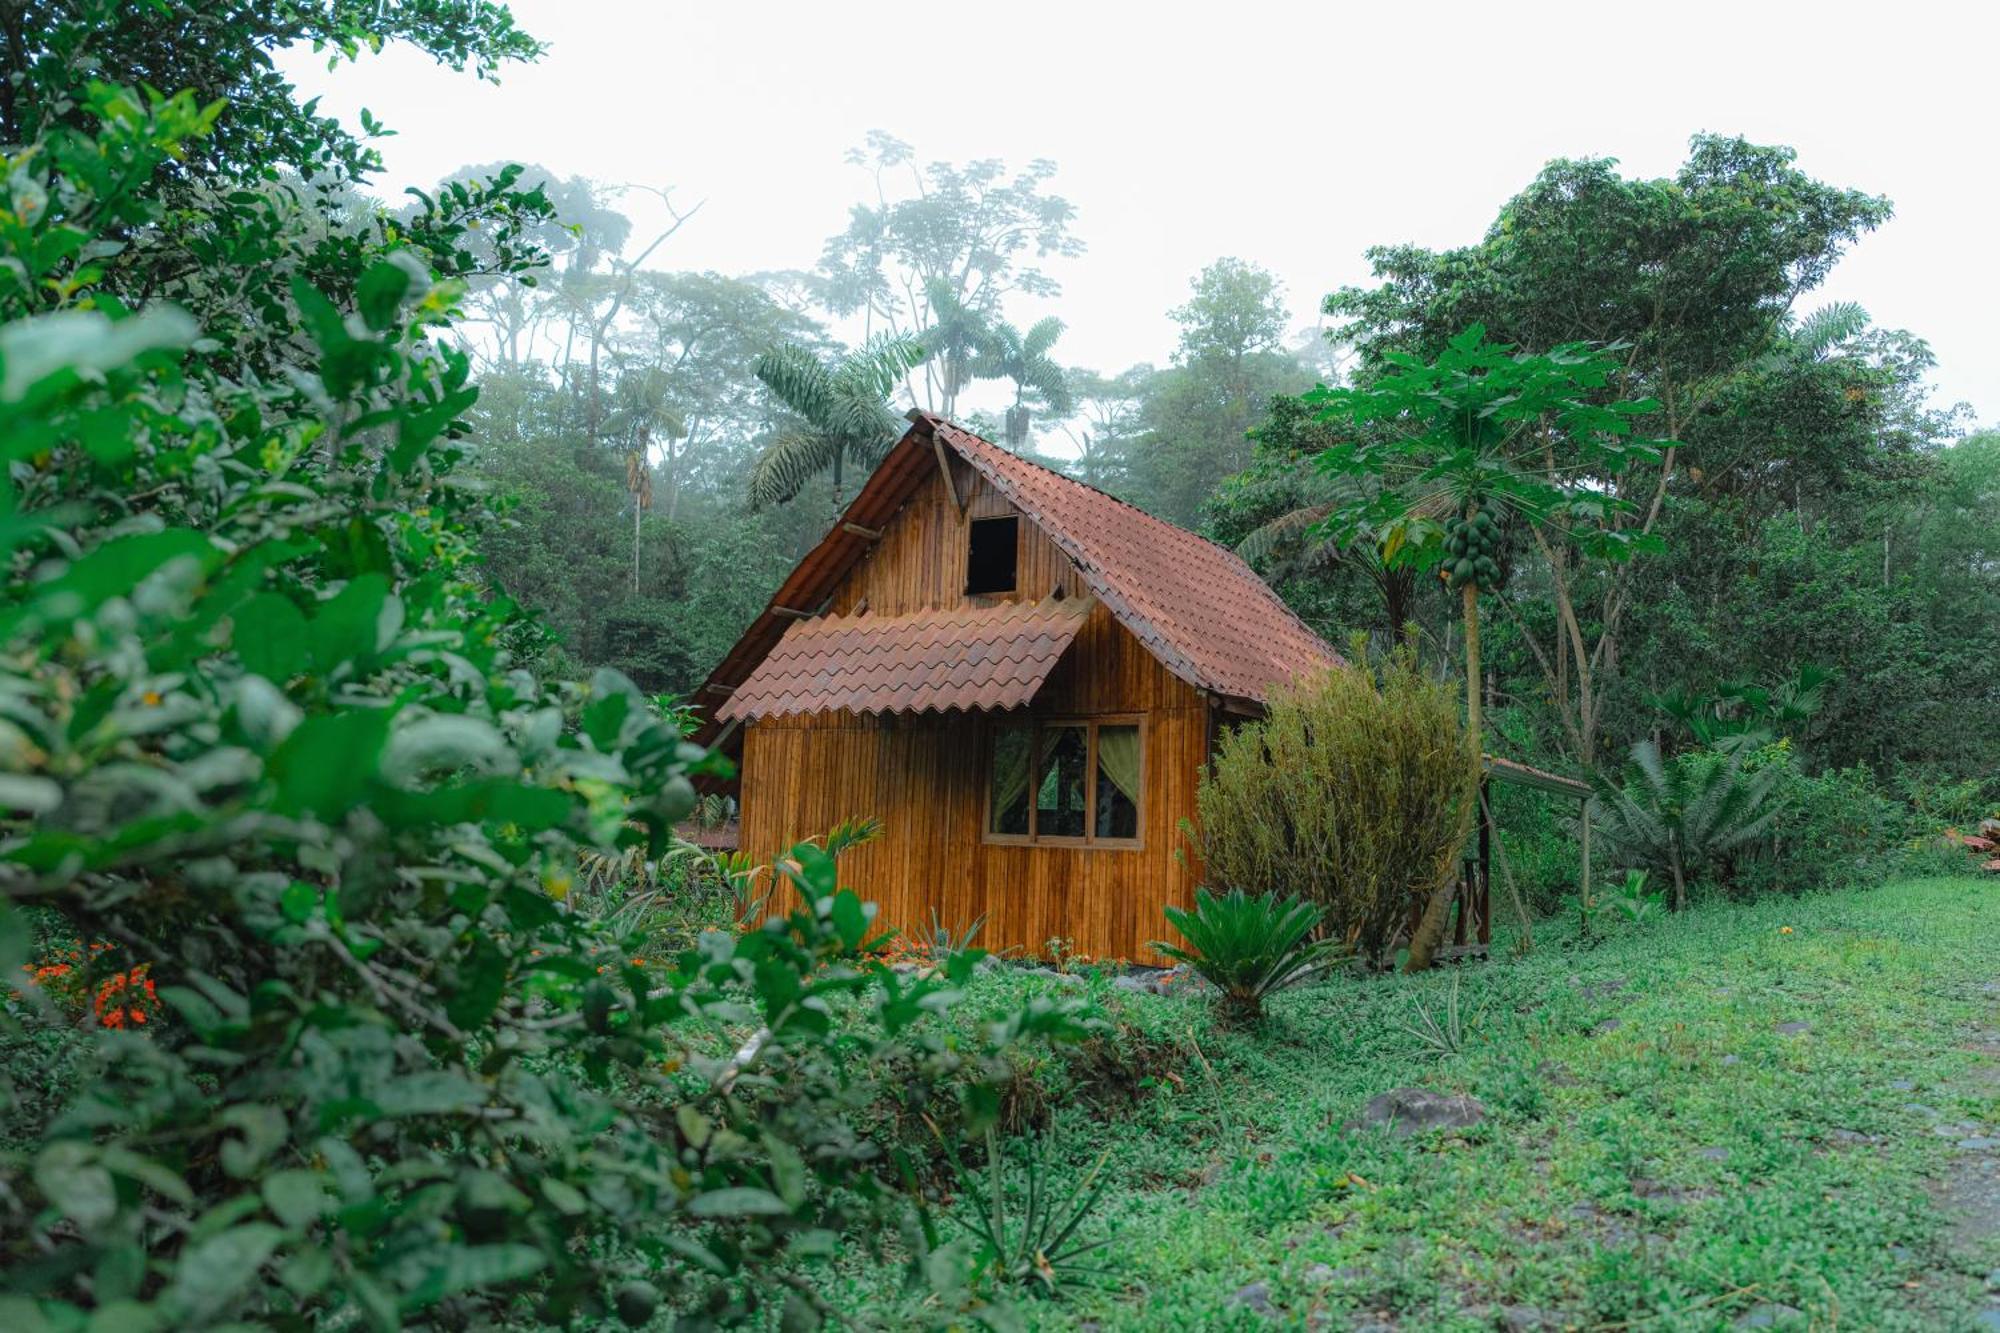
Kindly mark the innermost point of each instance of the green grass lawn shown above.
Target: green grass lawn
(1656, 1152)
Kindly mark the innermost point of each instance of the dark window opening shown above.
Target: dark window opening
(990, 555)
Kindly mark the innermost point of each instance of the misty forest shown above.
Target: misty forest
(428, 903)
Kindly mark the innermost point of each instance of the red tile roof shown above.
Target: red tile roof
(1205, 614)
(969, 658)
(1202, 611)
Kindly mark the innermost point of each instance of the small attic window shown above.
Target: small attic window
(991, 554)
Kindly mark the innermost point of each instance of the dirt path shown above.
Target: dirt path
(1969, 1193)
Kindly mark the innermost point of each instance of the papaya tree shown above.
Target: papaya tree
(1455, 451)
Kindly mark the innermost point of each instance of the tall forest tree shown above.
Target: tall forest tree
(1196, 415)
(1695, 277)
(941, 247)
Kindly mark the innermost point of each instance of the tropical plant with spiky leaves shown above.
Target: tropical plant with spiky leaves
(1684, 813)
(1247, 946)
(1040, 384)
(841, 412)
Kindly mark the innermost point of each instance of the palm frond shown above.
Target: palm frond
(1829, 326)
(1282, 534)
(788, 463)
(796, 378)
(1041, 336)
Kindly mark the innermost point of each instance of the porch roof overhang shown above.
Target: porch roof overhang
(971, 659)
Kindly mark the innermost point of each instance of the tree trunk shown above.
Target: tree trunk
(1430, 929)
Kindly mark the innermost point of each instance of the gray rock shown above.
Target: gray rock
(1555, 1074)
(1918, 1108)
(1988, 1320)
(1791, 1029)
(1848, 1136)
(1322, 1275)
(1408, 1111)
(1902, 1085)
(1980, 1143)
(1522, 1318)
(1712, 1154)
(1770, 1315)
(1732, 1059)
(1608, 1025)
(1256, 1296)
(1993, 1280)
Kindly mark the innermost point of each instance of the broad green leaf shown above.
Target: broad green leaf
(296, 1198)
(212, 1272)
(270, 636)
(70, 1175)
(737, 1201)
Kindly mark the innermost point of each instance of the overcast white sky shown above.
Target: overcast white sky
(1294, 136)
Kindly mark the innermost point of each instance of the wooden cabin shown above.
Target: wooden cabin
(1020, 677)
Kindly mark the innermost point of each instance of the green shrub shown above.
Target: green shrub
(264, 729)
(1838, 829)
(1354, 792)
(1683, 816)
(1247, 947)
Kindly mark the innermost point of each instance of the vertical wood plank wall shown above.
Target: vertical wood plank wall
(923, 775)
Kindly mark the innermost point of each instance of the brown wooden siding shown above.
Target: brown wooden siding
(920, 562)
(923, 775)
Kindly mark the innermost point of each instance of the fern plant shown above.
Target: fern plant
(1247, 947)
(1685, 813)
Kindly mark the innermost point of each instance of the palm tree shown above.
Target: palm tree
(1685, 812)
(843, 413)
(1009, 354)
(954, 338)
(1299, 542)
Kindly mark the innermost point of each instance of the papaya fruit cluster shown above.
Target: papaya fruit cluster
(1472, 552)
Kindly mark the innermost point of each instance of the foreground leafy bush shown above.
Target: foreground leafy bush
(1353, 792)
(265, 731)
(1247, 947)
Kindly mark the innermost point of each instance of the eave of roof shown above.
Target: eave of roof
(969, 659)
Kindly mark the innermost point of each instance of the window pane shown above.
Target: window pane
(1117, 782)
(1059, 795)
(1012, 748)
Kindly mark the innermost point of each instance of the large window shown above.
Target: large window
(1069, 781)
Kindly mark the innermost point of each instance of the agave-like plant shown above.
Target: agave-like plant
(1247, 947)
(1681, 814)
(842, 412)
(1028, 1239)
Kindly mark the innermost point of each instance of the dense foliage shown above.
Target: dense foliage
(302, 1025)
(1354, 793)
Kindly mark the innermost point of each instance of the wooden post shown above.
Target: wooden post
(1585, 840)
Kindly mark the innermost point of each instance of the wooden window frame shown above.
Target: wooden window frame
(1037, 725)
